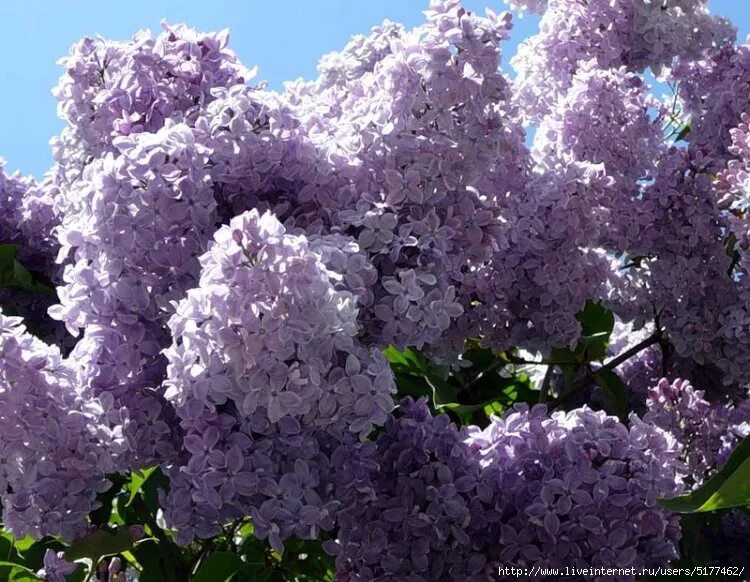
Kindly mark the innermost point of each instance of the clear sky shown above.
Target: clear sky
(284, 38)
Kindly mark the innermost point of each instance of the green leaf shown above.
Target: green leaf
(406, 361)
(596, 319)
(730, 487)
(568, 361)
(597, 323)
(155, 563)
(218, 567)
(252, 549)
(99, 544)
(683, 132)
(7, 256)
(14, 274)
(24, 543)
(443, 393)
(17, 573)
(615, 390)
(137, 479)
(103, 514)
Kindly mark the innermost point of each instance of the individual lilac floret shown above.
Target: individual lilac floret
(56, 568)
(423, 515)
(579, 487)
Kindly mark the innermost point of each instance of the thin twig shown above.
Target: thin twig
(579, 385)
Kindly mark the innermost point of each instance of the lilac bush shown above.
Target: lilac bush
(415, 318)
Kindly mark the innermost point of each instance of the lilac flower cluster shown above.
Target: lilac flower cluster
(113, 89)
(267, 330)
(529, 490)
(634, 33)
(708, 432)
(58, 439)
(265, 352)
(713, 95)
(27, 220)
(580, 487)
(135, 225)
(425, 510)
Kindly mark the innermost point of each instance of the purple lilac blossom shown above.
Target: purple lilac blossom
(27, 220)
(580, 487)
(59, 440)
(113, 89)
(424, 512)
(56, 568)
(265, 358)
(708, 432)
(632, 33)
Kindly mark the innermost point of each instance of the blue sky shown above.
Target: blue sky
(284, 38)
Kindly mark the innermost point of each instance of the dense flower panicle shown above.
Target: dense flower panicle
(634, 33)
(131, 233)
(734, 199)
(424, 515)
(135, 225)
(412, 161)
(580, 487)
(265, 367)
(58, 439)
(713, 95)
(268, 330)
(360, 55)
(732, 183)
(282, 475)
(678, 233)
(733, 186)
(112, 89)
(603, 118)
(27, 220)
(707, 431)
(546, 269)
